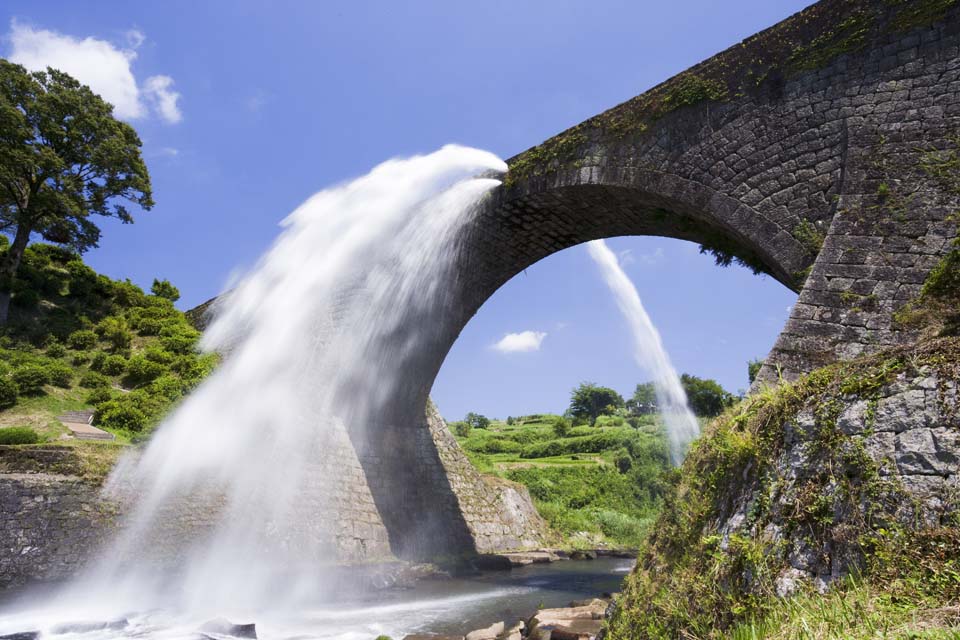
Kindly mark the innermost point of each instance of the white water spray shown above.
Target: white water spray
(682, 425)
(315, 335)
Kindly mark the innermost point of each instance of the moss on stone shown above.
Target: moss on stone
(696, 580)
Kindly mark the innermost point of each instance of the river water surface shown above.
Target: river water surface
(433, 605)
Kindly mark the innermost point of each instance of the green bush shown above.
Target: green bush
(56, 350)
(163, 289)
(497, 445)
(30, 379)
(623, 461)
(587, 444)
(94, 380)
(120, 414)
(116, 331)
(155, 353)
(462, 429)
(99, 395)
(98, 360)
(82, 340)
(80, 358)
(18, 435)
(140, 370)
(8, 393)
(561, 427)
(26, 299)
(167, 386)
(59, 374)
(149, 326)
(114, 365)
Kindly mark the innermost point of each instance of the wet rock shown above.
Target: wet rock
(583, 554)
(87, 627)
(514, 632)
(569, 623)
(493, 562)
(500, 561)
(490, 633)
(227, 628)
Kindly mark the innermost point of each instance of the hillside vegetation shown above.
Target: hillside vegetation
(78, 340)
(594, 485)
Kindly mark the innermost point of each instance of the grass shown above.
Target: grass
(574, 480)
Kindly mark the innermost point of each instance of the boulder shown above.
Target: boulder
(583, 554)
(430, 636)
(490, 633)
(227, 628)
(88, 627)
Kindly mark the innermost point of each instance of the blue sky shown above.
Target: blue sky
(247, 108)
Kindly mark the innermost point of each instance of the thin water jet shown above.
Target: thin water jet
(649, 352)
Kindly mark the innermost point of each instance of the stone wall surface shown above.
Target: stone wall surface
(910, 433)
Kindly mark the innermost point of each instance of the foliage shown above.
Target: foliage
(644, 399)
(461, 428)
(82, 339)
(30, 379)
(163, 289)
(18, 435)
(477, 421)
(59, 374)
(588, 401)
(98, 314)
(694, 580)
(8, 393)
(561, 427)
(706, 397)
(753, 369)
(63, 159)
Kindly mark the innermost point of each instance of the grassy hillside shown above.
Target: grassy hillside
(80, 340)
(594, 485)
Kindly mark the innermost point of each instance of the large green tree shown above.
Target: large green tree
(63, 158)
(588, 401)
(706, 397)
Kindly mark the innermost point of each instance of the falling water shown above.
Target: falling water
(682, 425)
(314, 337)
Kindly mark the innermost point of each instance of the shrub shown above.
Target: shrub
(18, 435)
(477, 421)
(498, 445)
(56, 350)
(157, 354)
(79, 358)
(163, 289)
(114, 365)
(167, 386)
(59, 374)
(26, 299)
(622, 460)
(149, 326)
(99, 395)
(83, 279)
(30, 379)
(462, 429)
(98, 360)
(120, 414)
(141, 370)
(8, 393)
(82, 340)
(561, 427)
(94, 380)
(116, 331)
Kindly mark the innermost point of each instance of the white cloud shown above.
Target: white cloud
(168, 152)
(520, 342)
(101, 65)
(257, 101)
(625, 257)
(652, 258)
(135, 38)
(159, 91)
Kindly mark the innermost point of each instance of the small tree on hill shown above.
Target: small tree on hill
(63, 158)
(588, 401)
(753, 368)
(706, 397)
(163, 289)
(477, 421)
(644, 400)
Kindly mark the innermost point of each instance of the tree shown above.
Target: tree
(561, 428)
(163, 289)
(644, 400)
(753, 368)
(706, 397)
(477, 421)
(589, 401)
(63, 158)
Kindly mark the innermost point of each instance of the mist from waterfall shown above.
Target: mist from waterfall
(314, 337)
(648, 351)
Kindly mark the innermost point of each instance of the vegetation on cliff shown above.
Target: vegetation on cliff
(79, 340)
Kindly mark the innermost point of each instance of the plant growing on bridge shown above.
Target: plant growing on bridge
(63, 158)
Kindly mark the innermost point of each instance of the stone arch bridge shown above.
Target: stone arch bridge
(818, 151)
